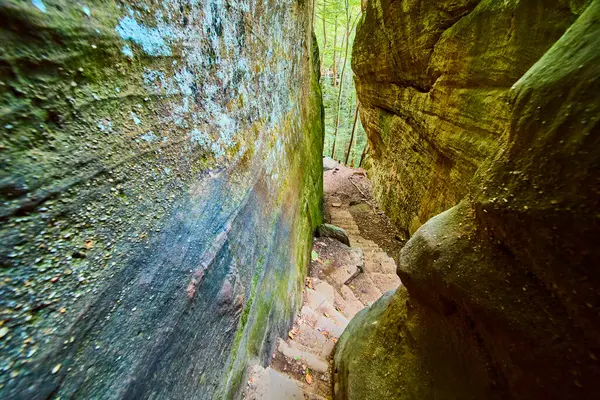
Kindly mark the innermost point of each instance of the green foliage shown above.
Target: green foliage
(331, 14)
(332, 11)
(348, 104)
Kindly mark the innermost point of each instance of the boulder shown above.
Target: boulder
(329, 164)
(334, 232)
(501, 297)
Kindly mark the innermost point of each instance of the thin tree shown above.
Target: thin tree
(324, 37)
(353, 130)
(339, 102)
(334, 67)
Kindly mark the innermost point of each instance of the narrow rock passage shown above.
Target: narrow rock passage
(342, 281)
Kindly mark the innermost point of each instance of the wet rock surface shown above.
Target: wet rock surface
(501, 291)
(433, 80)
(160, 182)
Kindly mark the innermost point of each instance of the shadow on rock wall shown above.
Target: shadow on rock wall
(161, 179)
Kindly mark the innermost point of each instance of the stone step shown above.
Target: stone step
(348, 224)
(324, 288)
(313, 396)
(373, 252)
(349, 296)
(382, 256)
(318, 342)
(374, 264)
(294, 350)
(321, 306)
(322, 323)
(340, 211)
(365, 248)
(338, 276)
(366, 242)
(341, 214)
(360, 242)
(343, 218)
(379, 262)
(269, 384)
(365, 289)
(385, 282)
(348, 307)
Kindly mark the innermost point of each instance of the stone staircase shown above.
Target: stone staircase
(301, 364)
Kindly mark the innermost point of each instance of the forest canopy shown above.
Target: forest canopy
(335, 26)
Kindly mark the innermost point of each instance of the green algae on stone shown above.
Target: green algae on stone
(153, 153)
(433, 80)
(501, 296)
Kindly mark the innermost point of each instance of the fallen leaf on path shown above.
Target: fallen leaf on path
(308, 377)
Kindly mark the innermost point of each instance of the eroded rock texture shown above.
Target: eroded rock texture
(160, 179)
(501, 298)
(433, 79)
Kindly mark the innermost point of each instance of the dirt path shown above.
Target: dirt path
(342, 281)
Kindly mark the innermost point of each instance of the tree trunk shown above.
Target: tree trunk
(324, 39)
(352, 134)
(339, 105)
(334, 67)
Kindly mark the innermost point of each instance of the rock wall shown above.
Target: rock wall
(433, 79)
(160, 180)
(501, 296)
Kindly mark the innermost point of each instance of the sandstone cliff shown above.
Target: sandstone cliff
(160, 181)
(501, 295)
(433, 79)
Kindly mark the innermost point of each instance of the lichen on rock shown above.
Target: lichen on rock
(161, 179)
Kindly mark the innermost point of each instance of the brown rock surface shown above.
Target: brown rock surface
(501, 298)
(433, 81)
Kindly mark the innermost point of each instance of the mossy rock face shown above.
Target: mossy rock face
(160, 181)
(334, 232)
(433, 79)
(501, 297)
